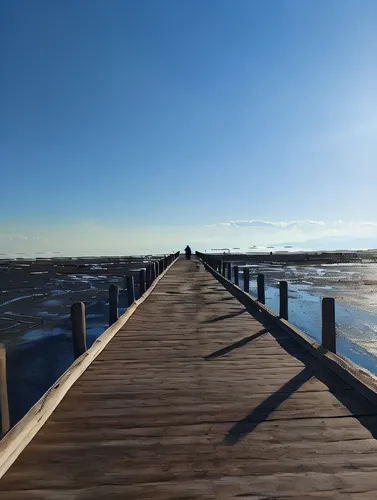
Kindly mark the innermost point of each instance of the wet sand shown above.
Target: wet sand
(37, 294)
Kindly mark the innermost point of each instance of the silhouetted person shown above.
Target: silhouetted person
(188, 252)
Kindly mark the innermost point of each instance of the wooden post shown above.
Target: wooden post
(153, 277)
(283, 285)
(113, 304)
(223, 271)
(219, 266)
(229, 271)
(142, 281)
(148, 273)
(246, 279)
(4, 405)
(78, 328)
(261, 292)
(130, 290)
(328, 324)
(236, 275)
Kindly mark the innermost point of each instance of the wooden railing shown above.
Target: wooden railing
(232, 275)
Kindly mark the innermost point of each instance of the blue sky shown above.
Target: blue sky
(127, 125)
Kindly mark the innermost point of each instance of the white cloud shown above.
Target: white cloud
(278, 225)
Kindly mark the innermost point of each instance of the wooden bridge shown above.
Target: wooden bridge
(193, 394)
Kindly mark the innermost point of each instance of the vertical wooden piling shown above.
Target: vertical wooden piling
(142, 281)
(246, 279)
(4, 405)
(78, 328)
(261, 290)
(113, 304)
(219, 266)
(223, 271)
(130, 290)
(148, 276)
(153, 273)
(236, 275)
(283, 286)
(328, 324)
(229, 271)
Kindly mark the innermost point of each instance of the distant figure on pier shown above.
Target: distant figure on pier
(188, 252)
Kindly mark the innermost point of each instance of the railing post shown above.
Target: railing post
(130, 289)
(219, 266)
(236, 275)
(223, 271)
(148, 277)
(4, 405)
(153, 272)
(261, 292)
(246, 279)
(328, 324)
(113, 304)
(283, 286)
(142, 281)
(229, 271)
(78, 329)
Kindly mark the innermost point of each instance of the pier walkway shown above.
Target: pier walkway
(195, 398)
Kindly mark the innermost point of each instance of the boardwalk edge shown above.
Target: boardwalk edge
(359, 378)
(16, 440)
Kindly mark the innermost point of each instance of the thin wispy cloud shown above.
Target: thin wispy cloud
(278, 225)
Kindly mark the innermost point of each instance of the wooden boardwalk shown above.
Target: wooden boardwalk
(195, 398)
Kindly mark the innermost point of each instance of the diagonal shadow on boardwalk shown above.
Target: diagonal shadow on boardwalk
(226, 316)
(236, 345)
(359, 407)
(262, 411)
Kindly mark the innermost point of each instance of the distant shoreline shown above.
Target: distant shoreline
(320, 257)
